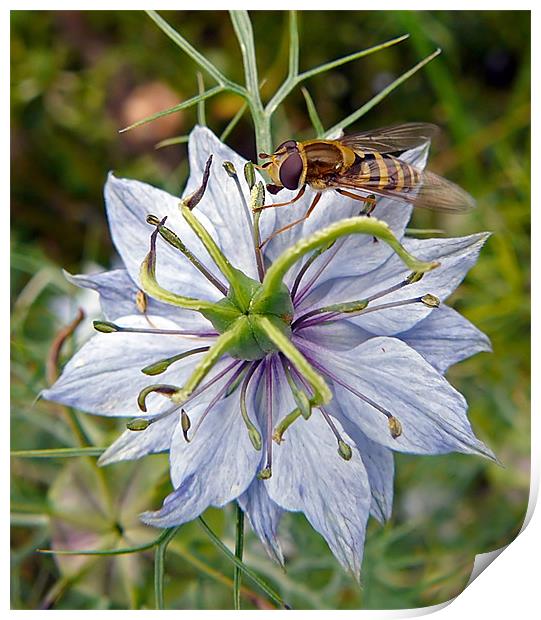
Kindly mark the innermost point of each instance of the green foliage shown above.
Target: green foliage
(77, 78)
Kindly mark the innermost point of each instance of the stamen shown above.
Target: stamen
(194, 199)
(253, 433)
(284, 424)
(428, 300)
(395, 428)
(306, 266)
(357, 306)
(249, 175)
(266, 472)
(106, 327)
(160, 388)
(344, 450)
(158, 367)
(307, 288)
(140, 424)
(217, 398)
(173, 240)
(304, 403)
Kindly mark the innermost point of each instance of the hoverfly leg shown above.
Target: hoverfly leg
(369, 206)
(369, 203)
(284, 204)
(317, 198)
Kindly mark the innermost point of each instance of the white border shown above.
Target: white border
(509, 587)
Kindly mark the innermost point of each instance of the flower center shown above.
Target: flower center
(246, 304)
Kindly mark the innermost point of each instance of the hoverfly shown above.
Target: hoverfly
(367, 162)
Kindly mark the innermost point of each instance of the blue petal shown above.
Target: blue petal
(104, 377)
(128, 204)
(308, 475)
(445, 338)
(456, 255)
(221, 204)
(264, 516)
(214, 468)
(390, 373)
(118, 292)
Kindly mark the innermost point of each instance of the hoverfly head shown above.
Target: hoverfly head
(285, 167)
(289, 165)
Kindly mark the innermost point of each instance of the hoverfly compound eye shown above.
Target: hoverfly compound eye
(291, 170)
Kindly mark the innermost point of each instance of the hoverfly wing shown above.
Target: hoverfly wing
(425, 190)
(393, 139)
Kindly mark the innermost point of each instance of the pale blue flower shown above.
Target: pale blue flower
(384, 364)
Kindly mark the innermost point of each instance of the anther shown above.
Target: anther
(430, 300)
(265, 473)
(394, 427)
(230, 169)
(284, 424)
(414, 276)
(249, 174)
(141, 301)
(105, 327)
(344, 450)
(139, 424)
(158, 367)
(185, 424)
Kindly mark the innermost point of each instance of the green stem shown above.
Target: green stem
(354, 225)
(159, 561)
(242, 567)
(186, 47)
(58, 452)
(239, 547)
(381, 95)
(121, 551)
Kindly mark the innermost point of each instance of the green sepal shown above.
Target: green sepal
(222, 315)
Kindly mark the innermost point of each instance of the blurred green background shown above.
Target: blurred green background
(77, 77)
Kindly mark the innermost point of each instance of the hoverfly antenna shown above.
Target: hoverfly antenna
(264, 156)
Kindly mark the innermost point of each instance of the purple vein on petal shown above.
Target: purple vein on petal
(219, 395)
(325, 263)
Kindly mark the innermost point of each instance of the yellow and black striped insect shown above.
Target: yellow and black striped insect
(367, 162)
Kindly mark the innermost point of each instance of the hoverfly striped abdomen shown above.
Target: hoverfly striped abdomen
(384, 172)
